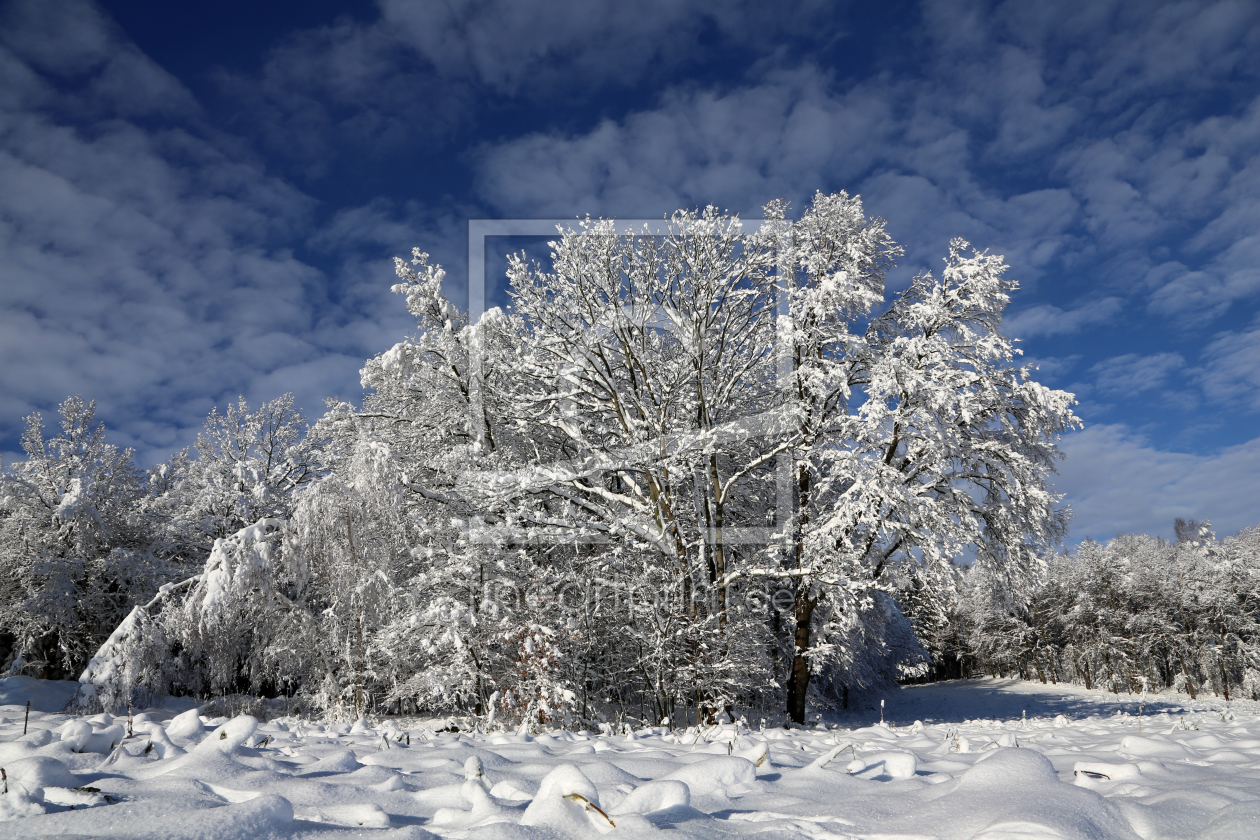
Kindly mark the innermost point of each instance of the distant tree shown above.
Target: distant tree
(1186, 530)
(1139, 612)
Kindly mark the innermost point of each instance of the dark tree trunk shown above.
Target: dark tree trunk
(798, 681)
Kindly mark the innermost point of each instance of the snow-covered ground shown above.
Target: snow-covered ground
(1082, 764)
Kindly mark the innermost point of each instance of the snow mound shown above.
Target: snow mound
(1015, 793)
(1106, 776)
(342, 761)
(725, 775)
(45, 695)
(41, 771)
(1237, 822)
(231, 735)
(186, 726)
(21, 801)
(654, 796)
(884, 766)
(1088, 772)
(264, 817)
(75, 734)
(366, 815)
(568, 804)
(1153, 747)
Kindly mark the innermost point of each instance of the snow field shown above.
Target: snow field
(1104, 773)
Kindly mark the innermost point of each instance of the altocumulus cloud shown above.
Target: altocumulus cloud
(534, 47)
(1071, 137)
(1110, 149)
(1118, 483)
(430, 72)
(143, 264)
(1231, 374)
(1017, 132)
(790, 133)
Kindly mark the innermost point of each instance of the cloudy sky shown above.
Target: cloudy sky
(201, 200)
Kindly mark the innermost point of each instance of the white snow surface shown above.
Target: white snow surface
(991, 759)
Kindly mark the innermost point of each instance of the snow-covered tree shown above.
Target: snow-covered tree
(919, 438)
(450, 638)
(1136, 611)
(653, 373)
(345, 550)
(646, 372)
(248, 465)
(72, 558)
(225, 619)
(684, 474)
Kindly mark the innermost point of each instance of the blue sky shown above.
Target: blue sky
(201, 200)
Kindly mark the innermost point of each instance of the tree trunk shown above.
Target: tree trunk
(798, 682)
(1189, 680)
(1040, 672)
(1220, 663)
(358, 625)
(719, 548)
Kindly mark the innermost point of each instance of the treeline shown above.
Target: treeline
(86, 536)
(1137, 613)
(709, 471)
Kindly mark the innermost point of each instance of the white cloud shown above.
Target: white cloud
(74, 39)
(1213, 173)
(1117, 483)
(786, 136)
(515, 45)
(347, 87)
(1131, 374)
(1084, 102)
(1119, 47)
(1195, 296)
(1074, 93)
(143, 264)
(1046, 319)
(736, 150)
(1052, 367)
(423, 71)
(1231, 373)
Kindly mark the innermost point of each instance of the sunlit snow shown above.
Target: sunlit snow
(1000, 760)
